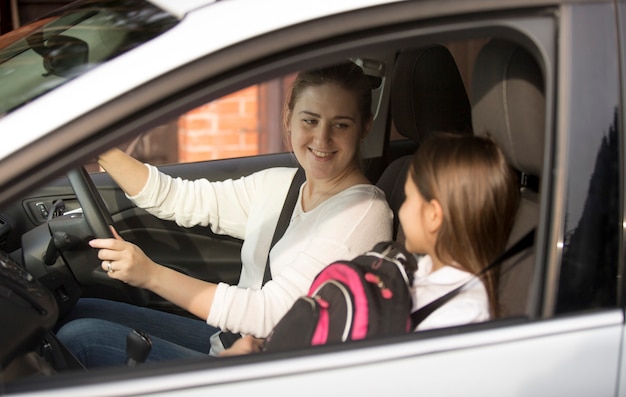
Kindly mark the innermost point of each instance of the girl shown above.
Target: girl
(461, 201)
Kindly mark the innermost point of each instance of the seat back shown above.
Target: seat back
(508, 104)
(427, 95)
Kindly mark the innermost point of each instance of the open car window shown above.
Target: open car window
(245, 123)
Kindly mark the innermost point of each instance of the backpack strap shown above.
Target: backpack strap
(228, 338)
(420, 314)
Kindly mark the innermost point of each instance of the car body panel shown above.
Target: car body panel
(555, 355)
(589, 139)
(565, 345)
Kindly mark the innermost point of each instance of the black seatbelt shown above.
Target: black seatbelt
(285, 217)
(228, 338)
(420, 314)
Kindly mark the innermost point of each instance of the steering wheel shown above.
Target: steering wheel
(99, 220)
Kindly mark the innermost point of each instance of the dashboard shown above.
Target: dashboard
(27, 311)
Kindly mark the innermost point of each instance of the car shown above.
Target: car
(543, 78)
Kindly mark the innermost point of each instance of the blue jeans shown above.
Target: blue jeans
(96, 329)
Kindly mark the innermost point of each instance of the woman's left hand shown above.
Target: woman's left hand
(245, 345)
(123, 260)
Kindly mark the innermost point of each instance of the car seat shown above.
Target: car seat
(508, 104)
(427, 95)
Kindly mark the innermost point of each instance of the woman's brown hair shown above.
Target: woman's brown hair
(347, 75)
(479, 195)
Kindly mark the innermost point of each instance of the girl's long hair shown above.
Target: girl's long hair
(479, 195)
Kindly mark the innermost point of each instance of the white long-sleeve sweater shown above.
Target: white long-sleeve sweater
(349, 223)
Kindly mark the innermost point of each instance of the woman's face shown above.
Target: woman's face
(325, 130)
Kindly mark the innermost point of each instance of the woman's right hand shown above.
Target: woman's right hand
(124, 261)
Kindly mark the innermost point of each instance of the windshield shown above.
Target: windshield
(45, 54)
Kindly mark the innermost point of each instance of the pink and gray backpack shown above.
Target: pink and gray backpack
(351, 300)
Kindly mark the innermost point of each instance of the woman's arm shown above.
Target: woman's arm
(129, 173)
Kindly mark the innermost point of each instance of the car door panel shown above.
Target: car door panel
(509, 357)
(556, 357)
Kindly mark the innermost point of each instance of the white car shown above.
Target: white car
(543, 78)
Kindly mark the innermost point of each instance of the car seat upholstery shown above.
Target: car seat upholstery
(508, 104)
(427, 95)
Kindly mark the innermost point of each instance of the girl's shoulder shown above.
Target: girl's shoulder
(469, 306)
(446, 275)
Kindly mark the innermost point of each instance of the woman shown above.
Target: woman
(338, 215)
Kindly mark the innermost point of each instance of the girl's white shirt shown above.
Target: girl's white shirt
(470, 306)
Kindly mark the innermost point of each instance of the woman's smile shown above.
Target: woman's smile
(321, 155)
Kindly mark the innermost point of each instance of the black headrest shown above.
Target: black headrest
(509, 103)
(427, 94)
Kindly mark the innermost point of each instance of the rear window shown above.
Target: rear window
(45, 54)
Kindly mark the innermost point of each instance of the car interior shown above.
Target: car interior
(428, 96)
(500, 93)
(509, 105)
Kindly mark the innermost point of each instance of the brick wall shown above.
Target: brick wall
(223, 128)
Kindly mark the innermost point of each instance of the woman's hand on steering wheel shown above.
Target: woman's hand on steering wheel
(123, 260)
